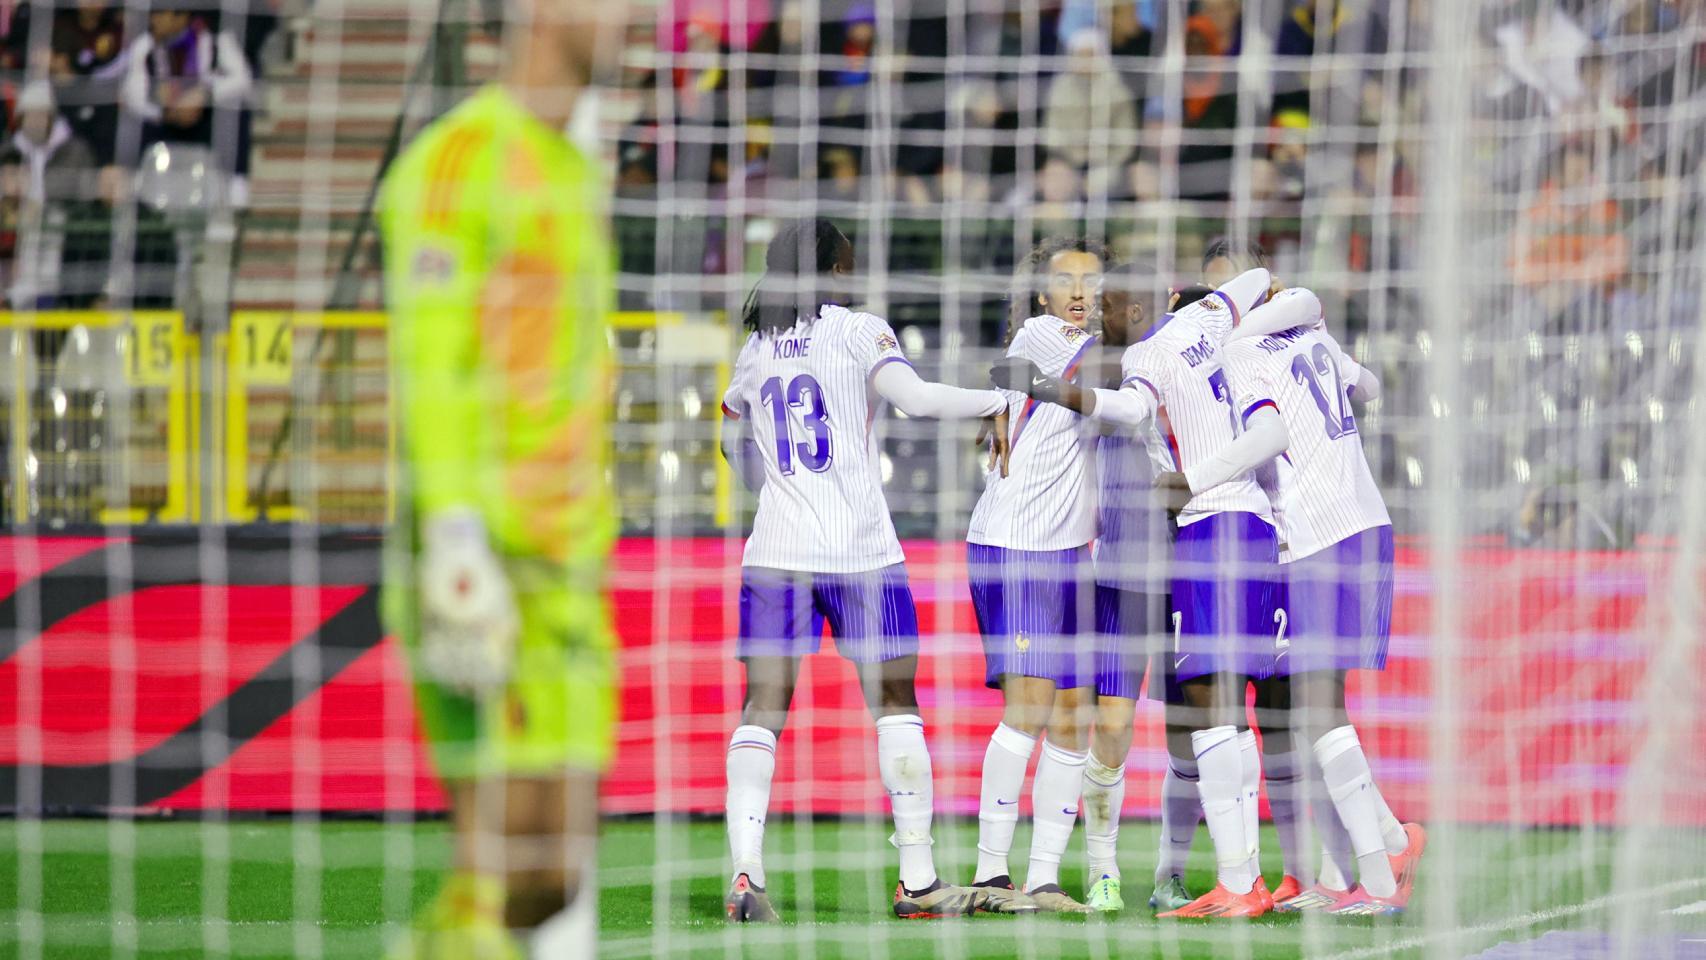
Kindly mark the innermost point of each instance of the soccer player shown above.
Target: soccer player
(1028, 550)
(1281, 769)
(1225, 603)
(1337, 561)
(805, 390)
(1132, 543)
(499, 278)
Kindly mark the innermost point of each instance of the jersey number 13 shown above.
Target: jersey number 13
(802, 393)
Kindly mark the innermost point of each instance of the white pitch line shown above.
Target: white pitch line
(1525, 920)
(1698, 906)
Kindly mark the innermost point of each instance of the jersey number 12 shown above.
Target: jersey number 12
(803, 393)
(1338, 420)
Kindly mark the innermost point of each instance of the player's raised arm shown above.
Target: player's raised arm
(1287, 310)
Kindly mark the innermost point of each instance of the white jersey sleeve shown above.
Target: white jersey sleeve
(873, 343)
(1324, 490)
(735, 397)
(1047, 501)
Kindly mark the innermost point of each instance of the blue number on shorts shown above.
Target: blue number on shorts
(1335, 414)
(1223, 393)
(802, 392)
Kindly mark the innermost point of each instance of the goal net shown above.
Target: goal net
(208, 746)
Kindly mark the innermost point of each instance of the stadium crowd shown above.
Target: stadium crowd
(87, 92)
(1298, 122)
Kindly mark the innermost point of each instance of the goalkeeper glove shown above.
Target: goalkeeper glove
(1026, 378)
(469, 623)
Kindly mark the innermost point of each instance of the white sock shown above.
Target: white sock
(1284, 776)
(1351, 786)
(1054, 811)
(1250, 765)
(571, 932)
(904, 762)
(1104, 795)
(1181, 811)
(751, 764)
(1338, 863)
(1397, 841)
(1220, 782)
(998, 801)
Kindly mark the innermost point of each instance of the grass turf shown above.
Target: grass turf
(278, 889)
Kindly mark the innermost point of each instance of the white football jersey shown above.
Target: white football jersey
(1176, 368)
(1324, 489)
(1047, 501)
(806, 396)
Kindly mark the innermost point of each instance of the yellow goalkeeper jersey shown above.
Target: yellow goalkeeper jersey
(500, 281)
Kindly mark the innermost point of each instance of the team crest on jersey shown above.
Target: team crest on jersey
(1072, 333)
(886, 342)
(1021, 642)
(1212, 303)
(433, 265)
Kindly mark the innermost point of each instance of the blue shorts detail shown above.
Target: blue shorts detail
(1128, 625)
(1027, 610)
(1226, 598)
(871, 614)
(1339, 605)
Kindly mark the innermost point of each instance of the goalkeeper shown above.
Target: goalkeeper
(499, 283)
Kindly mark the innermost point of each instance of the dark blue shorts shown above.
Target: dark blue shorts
(871, 614)
(1339, 606)
(1027, 604)
(1129, 625)
(1226, 599)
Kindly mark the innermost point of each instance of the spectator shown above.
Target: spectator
(88, 41)
(1572, 231)
(55, 184)
(847, 80)
(1210, 109)
(1130, 42)
(1090, 120)
(88, 66)
(181, 72)
(1289, 154)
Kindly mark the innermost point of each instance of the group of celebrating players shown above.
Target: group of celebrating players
(1224, 426)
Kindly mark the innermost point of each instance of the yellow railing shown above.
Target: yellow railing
(296, 411)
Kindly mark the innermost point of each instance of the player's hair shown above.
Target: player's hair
(801, 252)
(1244, 256)
(1029, 282)
(1191, 294)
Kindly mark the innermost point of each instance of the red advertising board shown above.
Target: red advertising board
(249, 672)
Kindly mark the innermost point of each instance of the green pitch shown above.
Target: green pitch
(275, 889)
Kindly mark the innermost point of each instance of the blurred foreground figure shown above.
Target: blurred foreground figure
(499, 277)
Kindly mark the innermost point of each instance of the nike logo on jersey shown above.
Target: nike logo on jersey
(1004, 803)
(1181, 661)
(1069, 811)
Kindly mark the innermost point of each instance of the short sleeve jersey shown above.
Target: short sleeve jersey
(805, 395)
(1047, 501)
